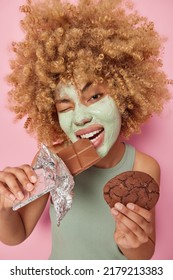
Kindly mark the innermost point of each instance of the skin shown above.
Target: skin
(88, 113)
(135, 230)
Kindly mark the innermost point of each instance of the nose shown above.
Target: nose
(83, 121)
(81, 115)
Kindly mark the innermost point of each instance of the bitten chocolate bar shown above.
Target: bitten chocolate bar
(79, 156)
(52, 176)
(55, 174)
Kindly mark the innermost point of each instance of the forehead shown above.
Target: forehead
(72, 89)
(67, 89)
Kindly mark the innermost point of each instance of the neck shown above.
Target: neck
(114, 155)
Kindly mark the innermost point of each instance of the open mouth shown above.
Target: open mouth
(92, 136)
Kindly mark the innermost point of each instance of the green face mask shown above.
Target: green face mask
(95, 117)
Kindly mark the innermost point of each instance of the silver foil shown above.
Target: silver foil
(54, 177)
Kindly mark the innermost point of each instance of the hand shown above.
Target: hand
(13, 182)
(133, 225)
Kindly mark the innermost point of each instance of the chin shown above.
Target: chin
(102, 152)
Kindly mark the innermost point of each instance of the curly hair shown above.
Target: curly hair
(99, 41)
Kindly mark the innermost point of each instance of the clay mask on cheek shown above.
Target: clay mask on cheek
(107, 114)
(66, 119)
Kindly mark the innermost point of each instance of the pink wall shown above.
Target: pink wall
(16, 147)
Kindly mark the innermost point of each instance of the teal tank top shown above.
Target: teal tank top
(87, 230)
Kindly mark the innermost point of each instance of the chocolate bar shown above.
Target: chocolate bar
(79, 156)
(55, 174)
(52, 176)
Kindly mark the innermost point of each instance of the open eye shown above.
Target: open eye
(95, 97)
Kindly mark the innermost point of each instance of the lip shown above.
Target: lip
(99, 141)
(89, 129)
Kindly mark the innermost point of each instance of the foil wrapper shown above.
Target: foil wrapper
(54, 177)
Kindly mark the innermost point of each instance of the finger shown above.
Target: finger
(5, 192)
(29, 172)
(125, 236)
(140, 211)
(137, 216)
(20, 174)
(140, 234)
(10, 188)
(32, 176)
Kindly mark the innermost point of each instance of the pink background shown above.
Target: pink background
(16, 147)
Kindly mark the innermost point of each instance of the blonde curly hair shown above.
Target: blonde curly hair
(99, 41)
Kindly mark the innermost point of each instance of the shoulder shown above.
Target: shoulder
(147, 164)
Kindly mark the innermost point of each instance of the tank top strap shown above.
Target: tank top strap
(129, 157)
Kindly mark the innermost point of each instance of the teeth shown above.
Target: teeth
(93, 140)
(91, 134)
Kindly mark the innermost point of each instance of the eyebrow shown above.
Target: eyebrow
(86, 86)
(82, 90)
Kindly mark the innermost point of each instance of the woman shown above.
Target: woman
(86, 71)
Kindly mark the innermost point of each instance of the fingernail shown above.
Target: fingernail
(119, 206)
(130, 206)
(12, 197)
(20, 195)
(33, 179)
(114, 212)
(29, 187)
